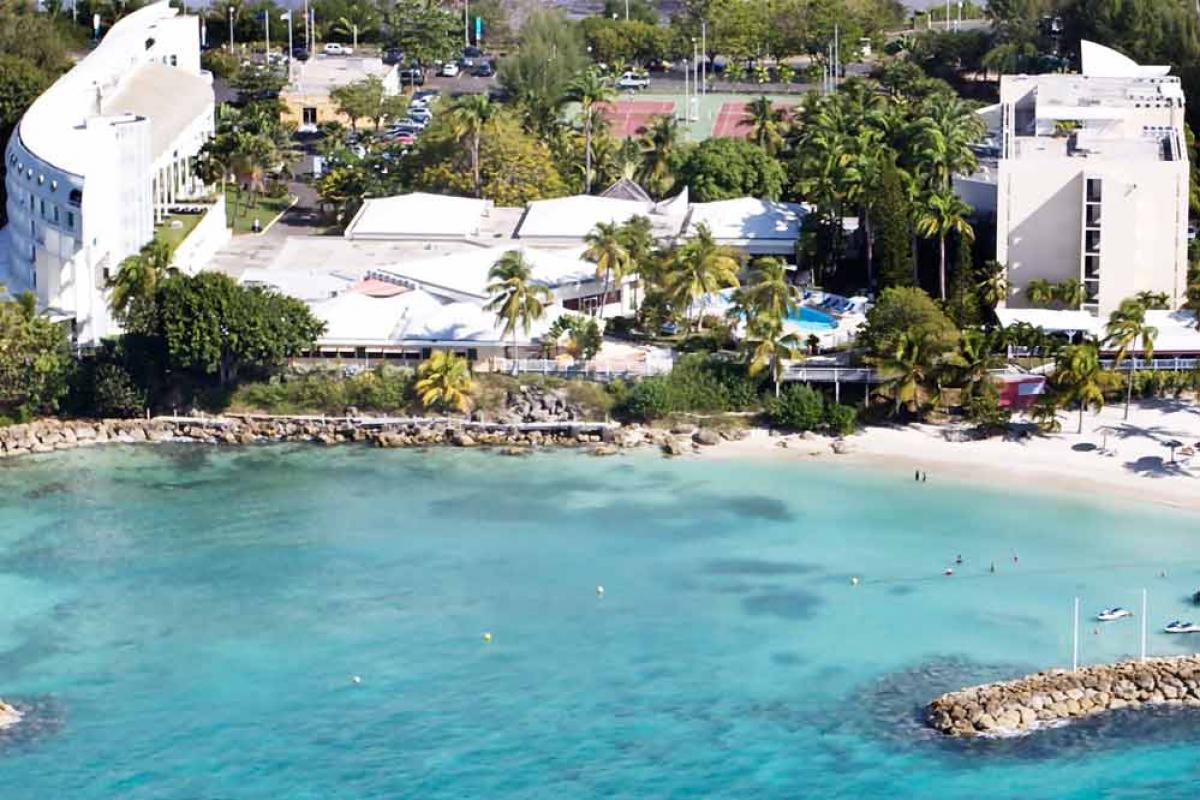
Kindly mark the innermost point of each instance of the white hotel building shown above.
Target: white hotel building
(100, 157)
(1087, 176)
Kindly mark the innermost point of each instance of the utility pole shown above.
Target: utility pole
(287, 15)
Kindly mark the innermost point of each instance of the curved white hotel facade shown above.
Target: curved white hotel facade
(100, 157)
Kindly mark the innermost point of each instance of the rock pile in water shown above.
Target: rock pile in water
(1054, 696)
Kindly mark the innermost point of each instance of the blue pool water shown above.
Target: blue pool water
(184, 622)
(812, 319)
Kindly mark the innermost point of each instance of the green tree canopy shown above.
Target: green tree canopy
(549, 57)
(213, 326)
(906, 310)
(720, 169)
(35, 361)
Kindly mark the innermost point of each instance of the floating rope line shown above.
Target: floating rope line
(939, 577)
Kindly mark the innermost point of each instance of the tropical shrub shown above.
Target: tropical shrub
(114, 393)
(798, 408)
(649, 399)
(841, 419)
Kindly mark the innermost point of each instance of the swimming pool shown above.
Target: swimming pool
(810, 318)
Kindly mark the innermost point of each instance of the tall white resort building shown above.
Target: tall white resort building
(1088, 178)
(100, 156)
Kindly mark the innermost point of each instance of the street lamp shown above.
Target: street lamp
(231, 29)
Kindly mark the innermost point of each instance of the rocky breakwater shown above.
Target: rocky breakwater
(48, 435)
(8, 715)
(1056, 696)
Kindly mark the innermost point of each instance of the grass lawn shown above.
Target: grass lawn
(174, 235)
(265, 209)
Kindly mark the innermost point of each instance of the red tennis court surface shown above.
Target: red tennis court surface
(732, 113)
(627, 117)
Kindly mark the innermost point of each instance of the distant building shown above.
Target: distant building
(1087, 176)
(307, 98)
(99, 158)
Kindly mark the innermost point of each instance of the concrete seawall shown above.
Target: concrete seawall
(1051, 697)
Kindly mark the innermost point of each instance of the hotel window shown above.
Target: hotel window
(42, 208)
(309, 115)
(55, 210)
(71, 220)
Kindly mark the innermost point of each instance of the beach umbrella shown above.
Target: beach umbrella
(1173, 444)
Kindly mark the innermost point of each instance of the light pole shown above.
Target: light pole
(704, 50)
(231, 29)
(694, 110)
(287, 15)
(466, 22)
(627, 10)
(947, 14)
(355, 29)
(307, 42)
(267, 26)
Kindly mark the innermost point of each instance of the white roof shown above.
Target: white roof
(52, 128)
(1176, 329)
(748, 218)
(464, 275)
(355, 318)
(574, 217)
(170, 98)
(1099, 61)
(303, 284)
(419, 215)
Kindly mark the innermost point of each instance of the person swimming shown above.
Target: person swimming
(958, 559)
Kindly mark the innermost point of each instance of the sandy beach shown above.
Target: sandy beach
(1122, 458)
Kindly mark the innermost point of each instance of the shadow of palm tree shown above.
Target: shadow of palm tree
(1156, 467)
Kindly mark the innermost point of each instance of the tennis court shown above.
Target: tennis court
(729, 118)
(627, 117)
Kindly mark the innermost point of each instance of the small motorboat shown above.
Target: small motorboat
(1182, 627)
(1113, 614)
(1196, 597)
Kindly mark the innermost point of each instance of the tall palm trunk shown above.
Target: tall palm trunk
(1128, 391)
(870, 248)
(1080, 428)
(587, 152)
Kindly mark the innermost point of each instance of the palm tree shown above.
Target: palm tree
(1126, 326)
(606, 249)
(907, 372)
(517, 301)
(659, 141)
(468, 116)
(698, 267)
(766, 124)
(1070, 293)
(138, 277)
(1078, 377)
(941, 214)
(769, 346)
(993, 289)
(971, 365)
(444, 381)
(590, 90)
(1039, 292)
(637, 234)
(942, 138)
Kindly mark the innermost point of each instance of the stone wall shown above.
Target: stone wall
(1059, 695)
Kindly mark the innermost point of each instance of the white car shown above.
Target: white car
(449, 70)
(421, 114)
(335, 49)
(632, 80)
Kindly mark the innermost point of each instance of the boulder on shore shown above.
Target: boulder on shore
(8, 715)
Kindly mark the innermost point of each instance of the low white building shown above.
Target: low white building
(755, 227)
(98, 159)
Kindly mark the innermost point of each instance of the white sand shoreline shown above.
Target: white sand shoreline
(1138, 468)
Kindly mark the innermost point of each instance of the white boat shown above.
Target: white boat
(1112, 614)
(1182, 627)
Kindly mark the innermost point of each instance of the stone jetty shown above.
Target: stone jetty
(601, 438)
(1055, 696)
(8, 715)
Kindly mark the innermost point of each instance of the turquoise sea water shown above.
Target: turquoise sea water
(184, 622)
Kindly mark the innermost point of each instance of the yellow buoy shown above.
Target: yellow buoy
(487, 637)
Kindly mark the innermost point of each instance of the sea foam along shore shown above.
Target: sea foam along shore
(8, 715)
(1113, 457)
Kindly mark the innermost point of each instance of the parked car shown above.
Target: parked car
(300, 53)
(471, 56)
(403, 128)
(393, 55)
(421, 114)
(412, 75)
(632, 80)
(449, 70)
(484, 70)
(425, 96)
